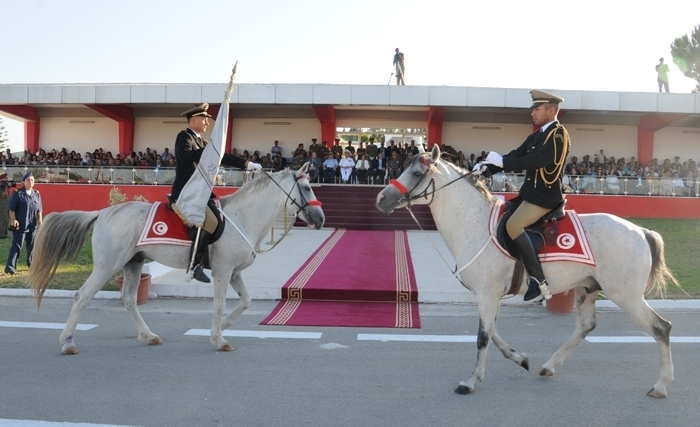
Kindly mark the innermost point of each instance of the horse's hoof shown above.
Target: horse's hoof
(71, 350)
(155, 341)
(226, 347)
(544, 372)
(656, 393)
(525, 363)
(462, 389)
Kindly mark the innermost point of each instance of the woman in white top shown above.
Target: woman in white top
(362, 166)
(346, 165)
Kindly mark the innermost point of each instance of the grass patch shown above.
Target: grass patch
(680, 236)
(69, 276)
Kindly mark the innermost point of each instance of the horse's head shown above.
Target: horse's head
(302, 202)
(414, 181)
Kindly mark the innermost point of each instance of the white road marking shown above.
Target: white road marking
(42, 325)
(259, 334)
(37, 423)
(416, 338)
(638, 339)
(332, 346)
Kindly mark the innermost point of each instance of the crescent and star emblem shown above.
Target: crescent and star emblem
(566, 241)
(160, 228)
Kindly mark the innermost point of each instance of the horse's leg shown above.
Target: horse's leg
(509, 353)
(585, 323)
(132, 276)
(488, 309)
(220, 287)
(656, 326)
(239, 286)
(82, 298)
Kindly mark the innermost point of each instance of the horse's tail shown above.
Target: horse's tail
(60, 236)
(660, 274)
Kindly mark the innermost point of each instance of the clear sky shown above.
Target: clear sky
(578, 45)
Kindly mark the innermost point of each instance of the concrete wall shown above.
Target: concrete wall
(81, 136)
(683, 142)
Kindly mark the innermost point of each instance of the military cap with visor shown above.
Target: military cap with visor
(540, 97)
(200, 110)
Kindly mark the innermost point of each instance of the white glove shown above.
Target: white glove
(253, 166)
(494, 158)
(476, 167)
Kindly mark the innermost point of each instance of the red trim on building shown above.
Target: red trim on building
(436, 116)
(32, 122)
(124, 116)
(326, 115)
(648, 125)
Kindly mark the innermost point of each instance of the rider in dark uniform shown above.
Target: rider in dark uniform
(542, 156)
(189, 146)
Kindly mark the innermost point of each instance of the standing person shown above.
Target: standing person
(189, 146)
(542, 156)
(399, 66)
(276, 150)
(25, 216)
(662, 75)
(4, 205)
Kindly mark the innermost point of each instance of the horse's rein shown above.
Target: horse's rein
(457, 270)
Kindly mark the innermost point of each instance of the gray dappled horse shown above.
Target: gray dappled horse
(254, 209)
(625, 271)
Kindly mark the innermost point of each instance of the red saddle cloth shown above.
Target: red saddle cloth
(163, 227)
(571, 244)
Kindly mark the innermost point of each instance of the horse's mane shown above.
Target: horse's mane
(473, 180)
(261, 181)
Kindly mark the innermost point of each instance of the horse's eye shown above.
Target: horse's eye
(417, 174)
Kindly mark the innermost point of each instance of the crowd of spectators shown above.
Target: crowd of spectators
(379, 162)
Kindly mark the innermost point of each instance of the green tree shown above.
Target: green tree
(686, 55)
(3, 136)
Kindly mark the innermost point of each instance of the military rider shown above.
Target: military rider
(542, 156)
(189, 146)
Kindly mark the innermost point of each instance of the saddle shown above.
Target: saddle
(544, 230)
(192, 231)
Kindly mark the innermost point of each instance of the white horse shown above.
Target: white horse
(253, 208)
(624, 271)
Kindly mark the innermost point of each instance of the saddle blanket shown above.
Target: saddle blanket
(163, 227)
(572, 243)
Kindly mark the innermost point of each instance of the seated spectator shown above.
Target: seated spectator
(409, 156)
(298, 161)
(346, 165)
(266, 163)
(362, 167)
(277, 164)
(330, 166)
(300, 150)
(612, 184)
(690, 184)
(678, 185)
(315, 166)
(394, 166)
(379, 168)
(666, 183)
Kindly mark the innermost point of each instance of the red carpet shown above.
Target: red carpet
(355, 278)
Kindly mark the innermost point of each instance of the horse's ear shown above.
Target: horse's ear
(436, 152)
(303, 169)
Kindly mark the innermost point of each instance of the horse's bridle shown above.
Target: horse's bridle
(425, 193)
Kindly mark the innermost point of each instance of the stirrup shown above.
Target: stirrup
(544, 289)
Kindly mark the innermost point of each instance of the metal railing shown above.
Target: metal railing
(112, 175)
(615, 185)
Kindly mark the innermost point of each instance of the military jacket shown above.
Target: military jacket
(188, 151)
(542, 156)
(26, 207)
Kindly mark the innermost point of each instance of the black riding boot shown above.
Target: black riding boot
(537, 282)
(200, 250)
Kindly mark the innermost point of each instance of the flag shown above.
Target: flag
(194, 196)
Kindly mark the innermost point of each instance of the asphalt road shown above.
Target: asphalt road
(334, 380)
